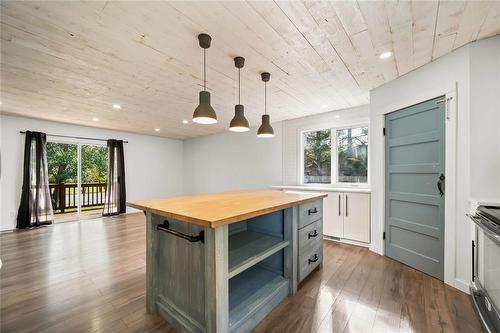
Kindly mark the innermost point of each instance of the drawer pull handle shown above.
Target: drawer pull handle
(312, 234)
(312, 211)
(316, 258)
(193, 239)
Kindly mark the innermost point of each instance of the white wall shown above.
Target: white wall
(232, 161)
(473, 82)
(153, 165)
(485, 120)
(235, 161)
(293, 127)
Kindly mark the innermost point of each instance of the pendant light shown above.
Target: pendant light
(265, 130)
(239, 123)
(204, 113)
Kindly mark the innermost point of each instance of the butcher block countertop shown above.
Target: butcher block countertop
(217, 209)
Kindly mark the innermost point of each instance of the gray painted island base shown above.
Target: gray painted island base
(237, 275)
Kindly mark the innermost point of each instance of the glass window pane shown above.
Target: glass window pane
(94, 175)
(352, 153)
(317, 157)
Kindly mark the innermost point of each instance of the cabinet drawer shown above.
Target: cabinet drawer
(310, 260)
(310, 212)
(310, 236)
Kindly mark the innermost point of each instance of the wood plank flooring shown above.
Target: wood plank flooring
(89, 276)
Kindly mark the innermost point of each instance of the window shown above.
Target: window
(77, 178)
(335, 156)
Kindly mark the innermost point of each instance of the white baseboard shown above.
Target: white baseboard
(461, 285)
(345, 241)
(376, 249)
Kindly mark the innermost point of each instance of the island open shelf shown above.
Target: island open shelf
(254, 240)
(256, 275)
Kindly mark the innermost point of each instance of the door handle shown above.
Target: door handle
(339, 206)
(441, 184)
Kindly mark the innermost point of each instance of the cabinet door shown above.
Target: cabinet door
(357, 217)
(333, 220)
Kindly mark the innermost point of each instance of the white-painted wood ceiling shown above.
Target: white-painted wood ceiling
(70, 61)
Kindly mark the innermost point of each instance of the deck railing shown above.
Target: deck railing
(65, 196)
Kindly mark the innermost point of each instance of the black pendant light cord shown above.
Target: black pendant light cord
(205, 69)
(265, 97)
(239, 86)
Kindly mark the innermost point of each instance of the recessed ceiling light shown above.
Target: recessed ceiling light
(95, 119)
(385, 55)
(117, 106)
(337, 116)
(323, 106)
(157, 129)
(185, 121)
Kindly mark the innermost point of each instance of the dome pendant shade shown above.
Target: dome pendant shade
(204, 113)
(239, 123)
(265, 130)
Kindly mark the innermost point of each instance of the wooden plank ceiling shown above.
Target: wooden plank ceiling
(70, 61)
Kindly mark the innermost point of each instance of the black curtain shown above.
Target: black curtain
(35, 208)
(115, 202)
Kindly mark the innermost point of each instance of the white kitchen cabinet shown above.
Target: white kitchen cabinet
(357, 217)
(346, 215)
(332, 214)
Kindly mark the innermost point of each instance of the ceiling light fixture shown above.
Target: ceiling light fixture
(337, 116)
(385, 55)
(265, 130)
(239, 123)
(117, 106)
(95, 119)
(157, 129)
(185, 121)
(204, 113)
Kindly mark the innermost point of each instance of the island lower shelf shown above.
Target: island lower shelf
(253, 292)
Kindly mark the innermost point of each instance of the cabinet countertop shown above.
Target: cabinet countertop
(217, 209)
(322, 189)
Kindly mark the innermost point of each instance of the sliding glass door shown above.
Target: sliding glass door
(77, 176)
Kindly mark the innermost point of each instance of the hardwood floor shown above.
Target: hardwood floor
(89, 276)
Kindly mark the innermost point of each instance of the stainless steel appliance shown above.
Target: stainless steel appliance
(485, 286)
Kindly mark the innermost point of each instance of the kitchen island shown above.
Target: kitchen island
(221, 262)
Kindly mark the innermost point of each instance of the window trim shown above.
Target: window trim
(334, 172)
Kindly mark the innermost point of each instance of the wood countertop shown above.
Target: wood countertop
(217, 209)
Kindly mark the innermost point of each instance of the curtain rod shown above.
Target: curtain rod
(74, 137)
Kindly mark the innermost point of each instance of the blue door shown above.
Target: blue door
(414, 186)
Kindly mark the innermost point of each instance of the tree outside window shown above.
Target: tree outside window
(352, 154)
(317, 157)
